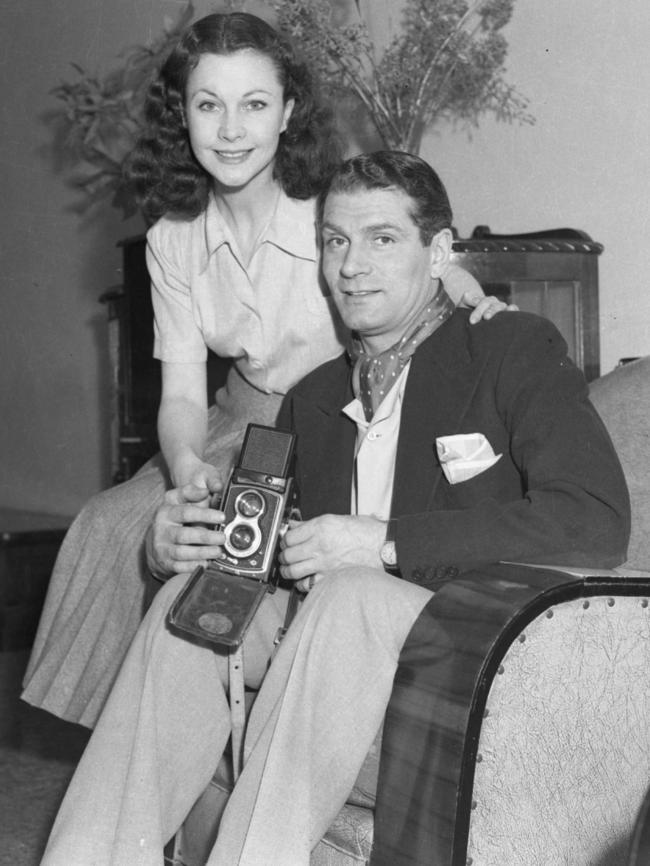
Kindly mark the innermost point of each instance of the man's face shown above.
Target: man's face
(374, 262)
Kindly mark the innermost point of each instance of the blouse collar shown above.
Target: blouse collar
(292, 228)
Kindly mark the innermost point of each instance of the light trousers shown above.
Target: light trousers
(167, 721)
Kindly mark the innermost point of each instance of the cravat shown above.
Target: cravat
(374, 375)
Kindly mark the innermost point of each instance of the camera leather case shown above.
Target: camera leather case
(218, 603)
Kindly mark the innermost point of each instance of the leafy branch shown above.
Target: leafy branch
(446, 63)
(101, 118)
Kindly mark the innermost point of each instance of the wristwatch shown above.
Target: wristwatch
(388, 551)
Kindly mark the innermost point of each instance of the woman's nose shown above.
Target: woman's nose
(231, 127)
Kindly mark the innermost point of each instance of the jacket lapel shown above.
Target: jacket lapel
(326, 452)
(439, 389)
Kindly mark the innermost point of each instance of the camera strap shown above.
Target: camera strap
(295, 597)
(237, 687)
(236, 694)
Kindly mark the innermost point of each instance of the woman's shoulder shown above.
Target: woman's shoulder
(294, 226)
(174, 230)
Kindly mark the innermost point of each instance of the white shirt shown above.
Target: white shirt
(376, 451)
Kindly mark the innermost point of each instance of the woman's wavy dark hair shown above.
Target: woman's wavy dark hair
(162, 169)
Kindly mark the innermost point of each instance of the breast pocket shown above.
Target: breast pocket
(489, 484)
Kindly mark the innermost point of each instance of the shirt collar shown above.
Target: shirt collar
(292, 228)
(390, 404)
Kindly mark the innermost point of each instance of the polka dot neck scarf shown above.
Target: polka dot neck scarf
(374, 375)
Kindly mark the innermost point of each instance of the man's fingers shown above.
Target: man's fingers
(308, 583)
(298, 533)
(298, 570)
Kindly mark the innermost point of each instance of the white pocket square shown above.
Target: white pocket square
(464, 456)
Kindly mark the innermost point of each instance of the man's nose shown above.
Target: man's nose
(354, 262)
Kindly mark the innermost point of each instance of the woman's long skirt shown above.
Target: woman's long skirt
(100, 587)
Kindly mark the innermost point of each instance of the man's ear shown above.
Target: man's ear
(440, 250)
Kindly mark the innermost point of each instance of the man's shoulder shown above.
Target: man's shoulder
(506, 328)
(320, 380)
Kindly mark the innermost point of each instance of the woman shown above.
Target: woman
(238, 145)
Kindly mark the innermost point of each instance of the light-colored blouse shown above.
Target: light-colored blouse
(272, 317)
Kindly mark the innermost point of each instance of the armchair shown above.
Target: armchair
(533, 708)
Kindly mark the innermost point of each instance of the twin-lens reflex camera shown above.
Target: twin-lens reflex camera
(219, 601)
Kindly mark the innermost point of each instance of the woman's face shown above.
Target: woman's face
(235, 112)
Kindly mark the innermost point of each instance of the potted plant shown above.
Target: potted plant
(100, 119)
(445, 64)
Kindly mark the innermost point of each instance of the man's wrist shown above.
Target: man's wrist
(388, 551)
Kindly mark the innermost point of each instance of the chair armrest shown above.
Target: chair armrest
(434, 718)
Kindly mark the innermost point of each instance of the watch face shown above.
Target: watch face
(389, 553)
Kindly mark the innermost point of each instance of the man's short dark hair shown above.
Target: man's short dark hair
(394, 169)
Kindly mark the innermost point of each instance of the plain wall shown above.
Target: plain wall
(584, 65)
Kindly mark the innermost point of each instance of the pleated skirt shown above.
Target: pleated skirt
(100, 587)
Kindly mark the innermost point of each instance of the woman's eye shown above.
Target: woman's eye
(206, 105)
(255, 105)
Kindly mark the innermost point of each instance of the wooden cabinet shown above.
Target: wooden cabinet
(136, 379)
(552, 273)
(135, 372)
(29, 543)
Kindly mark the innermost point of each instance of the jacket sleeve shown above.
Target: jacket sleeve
(574, 508)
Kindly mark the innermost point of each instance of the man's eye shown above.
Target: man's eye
(384, 240)
(334, 243)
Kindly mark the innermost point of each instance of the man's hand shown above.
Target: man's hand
(485, 307)
(321, 545)
(181, 538)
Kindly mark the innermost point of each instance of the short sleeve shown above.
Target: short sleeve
(177, 336)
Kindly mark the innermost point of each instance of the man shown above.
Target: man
(430, 448)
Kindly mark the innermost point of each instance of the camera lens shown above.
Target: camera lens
(250, 503)
(242, 537)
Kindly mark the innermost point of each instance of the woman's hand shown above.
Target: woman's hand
(191, 470)
(485, 307)
(182, 535)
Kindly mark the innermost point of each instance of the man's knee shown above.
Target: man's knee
(353, 586)
(368, 598)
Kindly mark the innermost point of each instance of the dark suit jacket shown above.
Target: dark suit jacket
(557, 495)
